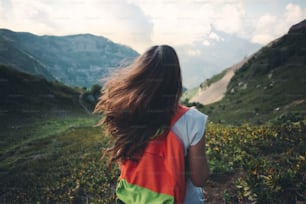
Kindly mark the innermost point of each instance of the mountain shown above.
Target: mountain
(269, 85)
(11, 54)
(76, 60)
(211, 54)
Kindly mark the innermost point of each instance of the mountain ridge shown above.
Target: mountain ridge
(76, 60)
(270, 84)
(298, 26)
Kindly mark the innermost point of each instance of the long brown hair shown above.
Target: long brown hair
(139, 100)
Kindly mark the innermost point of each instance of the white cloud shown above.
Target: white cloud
(230, 18)
(215, 37)
(31, 14)
(177, 22)
(141, 23)
(184, 24)
(5, 11)
(119, 20)
(294, 14)
(265, 29)
(129, 25)
(193, 52)
(269, 27)
(206, 43)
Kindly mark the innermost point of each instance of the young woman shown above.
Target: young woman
(139, 102)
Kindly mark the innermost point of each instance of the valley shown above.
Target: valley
(52, 150)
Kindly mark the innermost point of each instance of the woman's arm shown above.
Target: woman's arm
(197, 163)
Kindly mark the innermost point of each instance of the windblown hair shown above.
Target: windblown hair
(139, 100)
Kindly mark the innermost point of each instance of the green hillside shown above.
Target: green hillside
(27, 99)
(270, 85)
(49, 142)
(22, 93)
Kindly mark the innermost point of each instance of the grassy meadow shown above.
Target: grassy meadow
(60, 160)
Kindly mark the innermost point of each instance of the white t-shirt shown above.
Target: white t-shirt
(190, 129)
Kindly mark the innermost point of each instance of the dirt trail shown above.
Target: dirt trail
(215, 92)
(217, 185)
(83, 105)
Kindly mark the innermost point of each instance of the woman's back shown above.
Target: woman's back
(140, 101)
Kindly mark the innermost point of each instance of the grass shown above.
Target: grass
(189, 94)
(269, 161)
(61, 162)
(216, 77)
(16, 136)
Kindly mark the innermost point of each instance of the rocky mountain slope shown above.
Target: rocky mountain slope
(77, 60)
(211, 92)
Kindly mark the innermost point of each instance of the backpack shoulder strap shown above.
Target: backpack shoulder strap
(180, 112)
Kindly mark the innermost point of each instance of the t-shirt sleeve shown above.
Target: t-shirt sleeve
(190, 127)
(196, 126)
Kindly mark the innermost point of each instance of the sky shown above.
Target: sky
(140, 24)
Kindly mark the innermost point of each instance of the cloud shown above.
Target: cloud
(183, 22)
(193, 27)
(206, 43)
(269, 27)
(4, 6)
(177, 22)
(230, 18)
(215, 37)
(119, 20)
(128, 23)
(21, 15)
(141, 23)
(193, 52)
(265, 29)
(293, 14)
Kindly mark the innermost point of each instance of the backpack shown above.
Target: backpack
(159, 175)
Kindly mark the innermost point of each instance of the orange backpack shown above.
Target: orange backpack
(159, 176)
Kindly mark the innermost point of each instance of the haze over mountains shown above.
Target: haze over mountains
(81, 60)
(207, 57)
(271, 82)
(76, 60)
